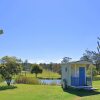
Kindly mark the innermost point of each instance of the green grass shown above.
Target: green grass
(45, 74)
(46, 92)
(96, 78)
(35, 92)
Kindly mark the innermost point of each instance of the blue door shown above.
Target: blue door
(82, 76)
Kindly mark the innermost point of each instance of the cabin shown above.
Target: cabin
(77, 74)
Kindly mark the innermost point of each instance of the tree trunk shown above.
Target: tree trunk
(8, 81)
(25, 73)
(36, 75)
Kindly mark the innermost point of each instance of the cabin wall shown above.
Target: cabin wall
(74, 71)
(75, 77)
(69, 75)
(89, 75)
(66, 73)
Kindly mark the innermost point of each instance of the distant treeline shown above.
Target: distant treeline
(54, 67)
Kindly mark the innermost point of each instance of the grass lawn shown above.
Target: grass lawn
(45, 74)
(46, 92)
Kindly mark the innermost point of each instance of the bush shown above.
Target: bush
(26, 80)
(96, 78)
(1, 79)
(7, 87)
(94, 71)
(53, 83)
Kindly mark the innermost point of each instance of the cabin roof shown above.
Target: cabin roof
(79, 62)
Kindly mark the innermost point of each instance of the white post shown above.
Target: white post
(75, 74)
(85, 75)
(91, 75)
(75, 70)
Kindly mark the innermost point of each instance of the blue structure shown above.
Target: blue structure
(81, 76)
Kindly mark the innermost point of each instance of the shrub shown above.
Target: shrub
(26, 80)
(36, 69)
(7, 87)
(94, 71)
(96, 78)
(53, 83)
(1, 79)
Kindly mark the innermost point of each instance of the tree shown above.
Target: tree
(93, 56)
(26, 66)
(50, 66)
(9, 67)
(1, 31)
(36, 69)
(87, 56)
(66, 60)
(97, 56)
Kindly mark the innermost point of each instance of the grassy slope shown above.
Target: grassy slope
(35, 92)
(45, 74)
(45, 92)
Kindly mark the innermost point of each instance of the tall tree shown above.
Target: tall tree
(97, 56)
(9, 67)
(36, 69)
(66, 60)
(26, 66)
(87, 56)
(93, 56)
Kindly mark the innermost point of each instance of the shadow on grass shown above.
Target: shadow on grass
(7, 87)
(81, 92)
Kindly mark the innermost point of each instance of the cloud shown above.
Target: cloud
(44, 61)
(58, 61)
(36, 61)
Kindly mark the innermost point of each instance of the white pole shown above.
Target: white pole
(91, 75)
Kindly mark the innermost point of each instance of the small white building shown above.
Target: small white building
(77, 74)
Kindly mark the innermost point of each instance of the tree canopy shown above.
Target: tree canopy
(36, 69)
(1, 31)
(93, 56)
(66, 60)
(9, 67)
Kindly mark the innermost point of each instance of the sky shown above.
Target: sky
(48, 30)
